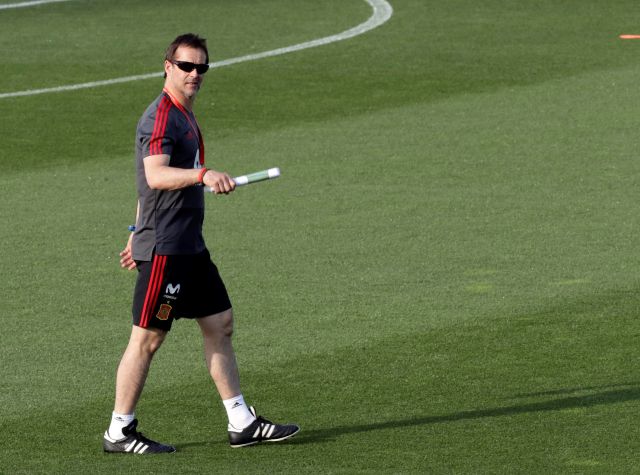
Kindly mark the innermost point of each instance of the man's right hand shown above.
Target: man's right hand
(219, 182)
(126, 260)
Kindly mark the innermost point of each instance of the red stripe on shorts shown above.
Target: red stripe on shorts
(153, 290)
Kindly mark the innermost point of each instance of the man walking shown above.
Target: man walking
(176, 276)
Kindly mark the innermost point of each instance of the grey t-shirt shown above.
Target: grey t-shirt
(169, 222)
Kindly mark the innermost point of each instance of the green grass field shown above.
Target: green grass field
(444, 279)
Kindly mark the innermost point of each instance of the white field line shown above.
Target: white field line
(28, 4)
(382, 12)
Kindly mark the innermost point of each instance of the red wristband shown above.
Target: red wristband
(201, 174)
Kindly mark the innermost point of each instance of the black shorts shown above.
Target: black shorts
(171, 287)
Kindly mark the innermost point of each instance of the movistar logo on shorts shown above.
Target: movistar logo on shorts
(172, 289)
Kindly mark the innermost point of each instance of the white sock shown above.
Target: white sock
(119, 422)
(238, 413)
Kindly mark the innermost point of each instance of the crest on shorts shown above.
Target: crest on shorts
(164, 311)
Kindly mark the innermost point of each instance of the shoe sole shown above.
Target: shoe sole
(108, 450)
(237, 446)
(134, 453)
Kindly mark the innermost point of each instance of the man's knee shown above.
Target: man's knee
(226, 322)
(147, 340)
(218, 325)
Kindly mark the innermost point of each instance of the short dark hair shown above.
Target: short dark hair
(188, 39)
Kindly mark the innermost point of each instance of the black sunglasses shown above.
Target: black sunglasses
(187, 66)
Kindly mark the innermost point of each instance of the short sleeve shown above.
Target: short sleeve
(155, 131)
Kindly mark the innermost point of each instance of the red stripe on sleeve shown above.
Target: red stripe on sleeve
(159, 126)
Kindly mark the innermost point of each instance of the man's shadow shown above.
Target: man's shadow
(596, 397)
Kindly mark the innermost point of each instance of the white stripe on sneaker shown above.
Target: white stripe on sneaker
(267, 429)
(140, 448)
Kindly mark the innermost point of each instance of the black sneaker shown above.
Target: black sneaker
(134, 442)
(261, 430)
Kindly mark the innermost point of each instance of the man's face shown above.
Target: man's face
(185, 83)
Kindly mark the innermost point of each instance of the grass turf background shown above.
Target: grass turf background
(443, 280)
